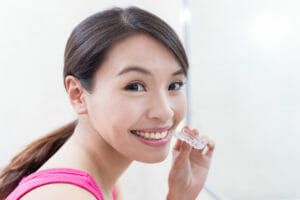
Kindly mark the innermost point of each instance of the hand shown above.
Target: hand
(189, 169)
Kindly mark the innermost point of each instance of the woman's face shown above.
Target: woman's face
(138, 90)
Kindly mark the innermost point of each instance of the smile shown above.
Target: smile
(151, 135)
(152, 138)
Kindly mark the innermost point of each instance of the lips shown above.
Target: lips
(155, 137)
(154, 134)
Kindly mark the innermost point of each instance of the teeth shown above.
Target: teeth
(157, 135)
(152, 135)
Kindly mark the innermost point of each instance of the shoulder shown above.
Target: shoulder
(58, 191)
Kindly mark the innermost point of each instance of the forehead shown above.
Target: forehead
(139, 50)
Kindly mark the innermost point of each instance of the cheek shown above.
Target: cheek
(122, 114)
(180, 107)
(115, 113)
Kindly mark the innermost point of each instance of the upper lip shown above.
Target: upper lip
(154, 130)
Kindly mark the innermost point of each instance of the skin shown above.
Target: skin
(102, 142)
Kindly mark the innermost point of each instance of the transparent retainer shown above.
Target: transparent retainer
(190, 137)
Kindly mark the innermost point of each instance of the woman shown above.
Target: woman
(124, 71)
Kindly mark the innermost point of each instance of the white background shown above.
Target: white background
(244, 83)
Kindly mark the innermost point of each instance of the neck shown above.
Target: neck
(95, 156)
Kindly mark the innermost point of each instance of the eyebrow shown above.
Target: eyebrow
(134, 68)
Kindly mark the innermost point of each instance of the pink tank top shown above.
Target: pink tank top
(57, 175)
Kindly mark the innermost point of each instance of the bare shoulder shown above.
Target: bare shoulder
(59, 191)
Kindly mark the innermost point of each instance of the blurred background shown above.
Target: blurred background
(244, 88)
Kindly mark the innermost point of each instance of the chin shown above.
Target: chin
(153, 158)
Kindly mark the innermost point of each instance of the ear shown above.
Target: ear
(76, 94)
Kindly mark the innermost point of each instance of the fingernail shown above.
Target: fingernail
(195, 131)
(187, 126)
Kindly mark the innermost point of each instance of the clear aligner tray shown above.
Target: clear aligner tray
(191, 138)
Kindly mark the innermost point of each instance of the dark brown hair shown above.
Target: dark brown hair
(85, 51)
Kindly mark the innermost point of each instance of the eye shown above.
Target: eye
(139, 87)
(176, 85)
(135, 87)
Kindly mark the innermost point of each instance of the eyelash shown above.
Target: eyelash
(180, 83)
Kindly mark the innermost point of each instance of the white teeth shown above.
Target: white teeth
(156, 135)
(152, 135)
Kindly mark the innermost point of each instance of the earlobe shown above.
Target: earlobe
(76, 94)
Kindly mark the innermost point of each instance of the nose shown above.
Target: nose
(160, 108)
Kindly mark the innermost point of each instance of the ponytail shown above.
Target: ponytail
(32, 158)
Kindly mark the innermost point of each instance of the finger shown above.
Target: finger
(202, 136)
(210, 148)
(187, 127)
(195, 131)
(185, 150)
(177, 145)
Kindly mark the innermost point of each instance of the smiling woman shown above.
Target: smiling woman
(124, 70)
